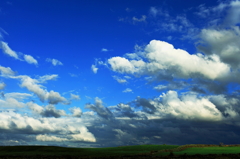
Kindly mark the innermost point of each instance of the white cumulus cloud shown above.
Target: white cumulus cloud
(161, 57)
(76, 112)
(50, 138)
(46, 129)
(189, 106)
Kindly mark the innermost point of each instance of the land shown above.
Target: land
(123, 152)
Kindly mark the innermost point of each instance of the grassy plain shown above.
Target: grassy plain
(206, 151)
(147, 150)
(90, 152)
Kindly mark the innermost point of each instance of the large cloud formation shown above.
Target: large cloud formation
(160, 56)
(46, 129)
(197, 99)
(200, 100)
(175, 118)
(39, 124)
(170, 118)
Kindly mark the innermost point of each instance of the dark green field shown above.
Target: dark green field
(139, 151)
(208, 150)
(90, 152)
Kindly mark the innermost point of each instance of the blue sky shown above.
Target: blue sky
(96, 73)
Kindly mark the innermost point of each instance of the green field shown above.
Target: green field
(91, 152)
(206, 151)
(159, 150)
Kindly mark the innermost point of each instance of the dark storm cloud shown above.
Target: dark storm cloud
(123, 110)
(146, 105)
(100, 109)
(171, 118)
(170, 131)
(215, 87)
(51, 111)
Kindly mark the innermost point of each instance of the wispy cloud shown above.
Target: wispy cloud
(73, 75)
(134, 19)
(45, 78)
(6, 71)
(74, 97)
(18, 95)
(120, 80)
(104, 50)
(54, 62)
(2, 30)
(142, 19)
(128, 10)
(8, 51)
(94, 69)
(153, 11)
(163, 21)
(127, 90)
(29, 59)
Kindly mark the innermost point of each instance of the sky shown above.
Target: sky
(106, 73)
